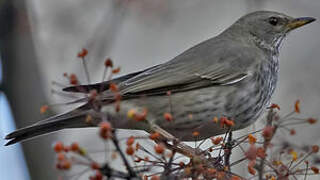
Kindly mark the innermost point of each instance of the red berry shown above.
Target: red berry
(58, 147)
(75, 147)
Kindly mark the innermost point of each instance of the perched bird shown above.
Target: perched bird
(231, 75)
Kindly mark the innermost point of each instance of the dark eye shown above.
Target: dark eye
(273, 21)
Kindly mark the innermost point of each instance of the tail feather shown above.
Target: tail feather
(72, 119)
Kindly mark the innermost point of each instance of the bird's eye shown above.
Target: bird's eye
(273, 21)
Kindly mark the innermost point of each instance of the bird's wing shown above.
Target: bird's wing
(210, 63)
(153, 83)
(204, 65)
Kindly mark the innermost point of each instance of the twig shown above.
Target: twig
(227, 150)
(109, 172)
(85, 67)
(168, 165)
(125, 161)
(260, 167)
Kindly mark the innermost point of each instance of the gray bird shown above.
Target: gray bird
(231, 75)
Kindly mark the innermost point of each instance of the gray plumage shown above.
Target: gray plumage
(233, 74)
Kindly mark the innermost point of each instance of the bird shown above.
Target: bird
(233, 75)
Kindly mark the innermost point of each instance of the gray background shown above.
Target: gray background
(136, 35)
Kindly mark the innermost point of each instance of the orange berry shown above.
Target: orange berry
(95, 165)
(225, 121)
(252, 139)
(222, 121)
(115, 71)
(105, 130)
(229, 123)
(108, 63)
(141, 116)
(315, 148)
(297, 106)
(66, 164)
(105, 126)
(292, 132)
(168, 117)
(311, 120)
(44, 109)
(275, 106)
(83, 53)
(74, 147)
(130, 150)
(195, 134)
(154, 136)
(181, 164)
(216, 140)
(315, 170)
(159, 148)
(58, 147)
(113, 87)
(130, 140)
(73, 79)
(251, 170)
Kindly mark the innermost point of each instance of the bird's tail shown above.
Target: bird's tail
(73, 119)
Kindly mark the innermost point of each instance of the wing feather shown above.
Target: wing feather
(204, 65)
(207, 64)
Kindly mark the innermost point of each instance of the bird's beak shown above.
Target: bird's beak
(298, 22)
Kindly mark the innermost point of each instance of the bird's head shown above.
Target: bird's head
(270, 27)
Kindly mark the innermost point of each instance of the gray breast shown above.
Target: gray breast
(265, 80)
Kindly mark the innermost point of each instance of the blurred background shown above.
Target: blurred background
(39, 40)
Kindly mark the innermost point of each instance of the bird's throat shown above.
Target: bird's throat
(273, 46)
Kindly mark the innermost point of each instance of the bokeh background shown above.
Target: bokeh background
(39, 40)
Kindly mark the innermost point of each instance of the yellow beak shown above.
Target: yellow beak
(298, 22)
